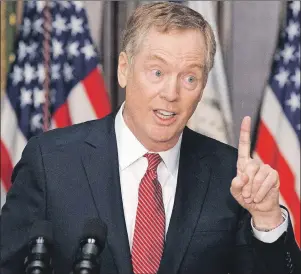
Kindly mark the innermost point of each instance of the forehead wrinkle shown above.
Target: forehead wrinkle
(187, 59)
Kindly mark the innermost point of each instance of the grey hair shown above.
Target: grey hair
(165, 17)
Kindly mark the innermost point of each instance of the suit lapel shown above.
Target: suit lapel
(193, 180)
(100, 160)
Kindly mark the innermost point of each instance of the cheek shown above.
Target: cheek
(147, 89)
(188, 106)
(135, 87)
(191, 100)
(138, 95)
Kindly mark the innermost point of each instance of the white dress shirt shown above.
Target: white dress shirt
(132, 167)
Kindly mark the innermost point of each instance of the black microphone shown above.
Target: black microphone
(38, 260)
(92, 243)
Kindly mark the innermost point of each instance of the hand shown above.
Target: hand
(256, 185)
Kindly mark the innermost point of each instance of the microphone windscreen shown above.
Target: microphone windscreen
(41, 229)
(95, 228)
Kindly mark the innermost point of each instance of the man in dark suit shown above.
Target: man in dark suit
(174, 201)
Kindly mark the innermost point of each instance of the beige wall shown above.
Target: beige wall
(95, 12)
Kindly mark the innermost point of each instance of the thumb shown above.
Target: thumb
(237, 185)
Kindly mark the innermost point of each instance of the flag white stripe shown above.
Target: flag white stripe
(287, 140)
(11, 136)
(53, 124)
(80, 107)
(281, 200)
(3, 194)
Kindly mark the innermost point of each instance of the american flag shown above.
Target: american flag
(278, 133)
(75, 92)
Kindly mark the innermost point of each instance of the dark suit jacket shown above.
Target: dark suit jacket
(69, 175)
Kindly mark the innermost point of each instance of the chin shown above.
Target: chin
(162, 137)
(163, 134)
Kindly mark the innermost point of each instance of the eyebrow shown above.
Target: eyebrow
(155, 57)
(200, 66)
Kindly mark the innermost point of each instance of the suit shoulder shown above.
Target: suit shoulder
(71, 135)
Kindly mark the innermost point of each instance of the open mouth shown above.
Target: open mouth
(163, 114)
(164, 117)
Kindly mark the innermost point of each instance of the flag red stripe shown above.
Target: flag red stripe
(267, 149)
(96, 91)
(6, 167)
(62, 116)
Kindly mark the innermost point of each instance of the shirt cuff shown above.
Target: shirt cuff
(274, 234)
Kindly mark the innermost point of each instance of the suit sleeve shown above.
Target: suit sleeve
(25, 204)
(253, 256)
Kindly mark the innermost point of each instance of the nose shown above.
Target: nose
(170, 91)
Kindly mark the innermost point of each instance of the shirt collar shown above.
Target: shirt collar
(130, 149)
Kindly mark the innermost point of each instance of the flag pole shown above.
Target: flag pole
(47, 61)
(3, 47)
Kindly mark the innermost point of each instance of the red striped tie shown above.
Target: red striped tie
(150, 221)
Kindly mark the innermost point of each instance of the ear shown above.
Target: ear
(123, 69)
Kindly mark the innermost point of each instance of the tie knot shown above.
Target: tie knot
(154, 160)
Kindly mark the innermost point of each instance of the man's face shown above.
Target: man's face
(164, 84)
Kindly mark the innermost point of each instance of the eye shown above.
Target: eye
(190, 79)
(157, 73)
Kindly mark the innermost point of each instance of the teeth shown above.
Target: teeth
(165, 113)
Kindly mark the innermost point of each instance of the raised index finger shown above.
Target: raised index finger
(244, 145)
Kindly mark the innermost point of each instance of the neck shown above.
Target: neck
(159, 147)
